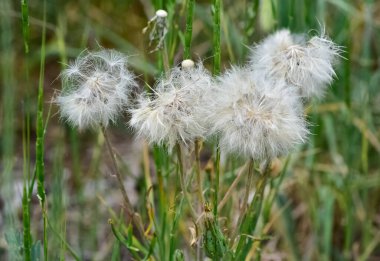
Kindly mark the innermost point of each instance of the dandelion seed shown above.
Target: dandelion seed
(306, 66)
(258, 122)
(170, 114)
(96, 88)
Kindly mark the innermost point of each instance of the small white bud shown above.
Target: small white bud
(161, 13)
(157, 28)
(187, 64)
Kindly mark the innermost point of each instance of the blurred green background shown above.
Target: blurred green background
(328, 204)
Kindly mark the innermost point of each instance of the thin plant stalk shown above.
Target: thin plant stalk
(64, 243)
(239, 175)
(26, 139)
(40, 173)
(26, 224)
(127, 203)
(146, 164)
(183, 182)
(216, 71)
(174, 229)
(165, 58)
(185, 197)
(198, 143)
(216, 37)
(189, 28)
(159, 156)
(251, 217)
(247, 190)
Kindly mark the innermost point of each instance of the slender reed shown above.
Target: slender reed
(183, 183)
(198, 144)
(251, 217)
(127, 203)
(247, 187)
(26, 225)
(189, 28)
(40, 172)
(231, 188)
(26, 139)
(216, 36)
(216, 71)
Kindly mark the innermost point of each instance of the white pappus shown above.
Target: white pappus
(258, 122)
(96, 88)
(305, 65)
(170, 113)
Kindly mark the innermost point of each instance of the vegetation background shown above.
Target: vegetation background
(324, 205)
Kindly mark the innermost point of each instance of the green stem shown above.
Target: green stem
(216, 71)
(198, 143)
(216, 37)
(216, 181)
(178, 210)
(183, 183)
(165, 59)
(189, 28)
(64, 242)
(26, 139)
(25, 24)
(26, 224)
(247, 190)
(127, 203)
(251, 217)
(40, 173)
(233, 185)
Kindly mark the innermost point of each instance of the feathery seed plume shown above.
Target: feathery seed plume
(306, 66)
(169, 115)
(255, 121)
(96, 88)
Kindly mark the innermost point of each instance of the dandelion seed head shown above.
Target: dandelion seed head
(170, 114)
(96, 88)
(271, 46)
(254, 121)
(304, 65)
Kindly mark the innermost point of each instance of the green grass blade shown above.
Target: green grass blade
(8, 124)
(26, 224)
(189, 28)
(216, 71)
(25, 24)
(40, 172)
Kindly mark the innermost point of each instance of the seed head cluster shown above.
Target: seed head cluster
(306, 65)
(170, 113)
(96, 89)
(255, 110)
(257, 121)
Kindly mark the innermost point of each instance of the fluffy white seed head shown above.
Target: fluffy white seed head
(170, 114)
(271, 46)
(308, 67)
(96, 88)
(254, 121)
